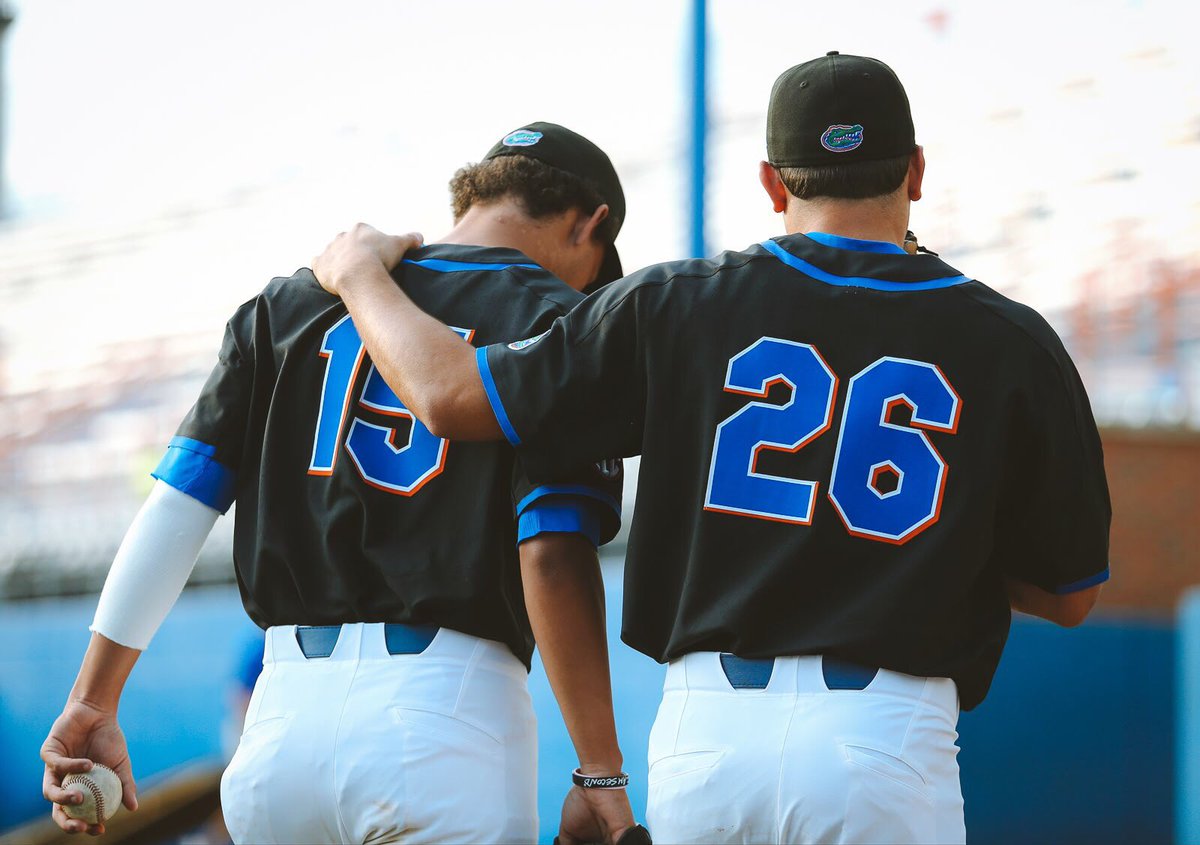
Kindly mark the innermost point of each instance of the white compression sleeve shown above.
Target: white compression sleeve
(152, 565)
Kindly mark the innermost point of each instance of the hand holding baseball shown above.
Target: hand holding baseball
(101, 793)
(83, 739)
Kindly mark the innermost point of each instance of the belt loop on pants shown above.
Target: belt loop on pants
(319, 640)
(751, 673)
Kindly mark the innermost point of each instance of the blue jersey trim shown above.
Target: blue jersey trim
(857, 282)
(558, 519)
(493, 395)
(1083, 583)
(856, 244)
(189, 467)
(443, 265)
(568, 490)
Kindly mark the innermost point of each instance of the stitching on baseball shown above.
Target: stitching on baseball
(94, 788)
(100, 816)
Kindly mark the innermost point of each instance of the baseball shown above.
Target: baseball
(101, 790)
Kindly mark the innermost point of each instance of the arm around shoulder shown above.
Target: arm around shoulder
(432, 370)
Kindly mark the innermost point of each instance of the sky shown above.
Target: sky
(191, 152)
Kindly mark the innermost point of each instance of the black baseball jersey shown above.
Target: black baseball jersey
(845, 449)
(348, 509)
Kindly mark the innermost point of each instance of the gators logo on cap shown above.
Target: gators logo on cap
(842, 139)
(522, 138)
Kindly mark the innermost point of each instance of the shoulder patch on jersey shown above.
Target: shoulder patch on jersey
(521, 138)
(840, 138)
(529, 341)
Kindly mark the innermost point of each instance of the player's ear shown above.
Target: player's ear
(586, 224)
(773, 185)
(916, 173)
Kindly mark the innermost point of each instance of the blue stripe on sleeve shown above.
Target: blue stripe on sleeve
(560, 519)
(189, 467)
(568, 490)
(493, 395)
(815, 272)
(1083, 583)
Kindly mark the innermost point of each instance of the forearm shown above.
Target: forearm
(430, 368)
(102, 676)
(564, 594)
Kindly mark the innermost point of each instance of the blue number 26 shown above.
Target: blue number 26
(887, 479)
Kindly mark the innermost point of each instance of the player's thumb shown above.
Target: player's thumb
(397, 245)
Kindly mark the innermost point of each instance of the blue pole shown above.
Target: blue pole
(699, 244)
(1187, 730)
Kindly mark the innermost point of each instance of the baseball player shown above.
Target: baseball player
(381, 560)
(855, 462)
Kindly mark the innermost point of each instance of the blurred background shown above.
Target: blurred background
(161, 162)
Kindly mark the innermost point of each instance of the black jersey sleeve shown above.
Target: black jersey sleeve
(203, 458)
(575, 394)
(1054, 514)
(586, 500)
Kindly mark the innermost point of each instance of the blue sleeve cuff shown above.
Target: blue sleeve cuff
(604, 512)
(190, 468)
(560, 519)
(1083, 583)
(493, 395)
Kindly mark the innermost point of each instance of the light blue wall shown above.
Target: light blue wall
(1074, 744)
(174, 704)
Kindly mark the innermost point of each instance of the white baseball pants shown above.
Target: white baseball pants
(797, 762)
(365, 746)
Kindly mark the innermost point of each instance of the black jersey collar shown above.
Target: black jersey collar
(867, 264)
(450, 258)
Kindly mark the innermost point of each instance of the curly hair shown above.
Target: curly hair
(846, 181)
(541, 190)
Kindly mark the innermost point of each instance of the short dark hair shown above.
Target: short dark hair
(540, 189)
(860, 180)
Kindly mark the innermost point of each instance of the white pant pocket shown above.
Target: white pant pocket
(887, 800)
(676, 765)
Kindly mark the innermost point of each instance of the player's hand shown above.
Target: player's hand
(360, 247)
(594, 815)
(83, 735)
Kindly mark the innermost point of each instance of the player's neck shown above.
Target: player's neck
(501, 224)
(884, 220)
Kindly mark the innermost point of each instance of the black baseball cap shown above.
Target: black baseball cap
(838, 110)
(559, 147)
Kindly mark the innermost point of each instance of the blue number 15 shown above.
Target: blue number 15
(887, 479)
(381, 460)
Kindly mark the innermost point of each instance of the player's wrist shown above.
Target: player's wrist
(602, 765)
(361, 273)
